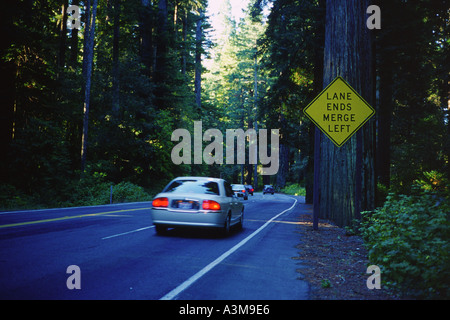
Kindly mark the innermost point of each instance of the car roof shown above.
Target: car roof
(198, 178)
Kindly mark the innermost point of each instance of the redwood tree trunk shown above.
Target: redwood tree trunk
(347, 53)
(198, 59)
(116, 63)
(87, 62)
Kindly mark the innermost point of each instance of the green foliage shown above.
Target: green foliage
(95, 190)
(90, 191)
(434, 181)
(133, 109)
(409, 239)
(414, 40)
(325, 283)
(294, 189)
(262, 72)
(129, 192)
(13, 199)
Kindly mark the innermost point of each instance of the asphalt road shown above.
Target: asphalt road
(120, 256)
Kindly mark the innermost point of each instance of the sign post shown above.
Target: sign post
(338, 111)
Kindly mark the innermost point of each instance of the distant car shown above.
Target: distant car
(249, 188)
(268, 188)
(197, 202)
(240, 190)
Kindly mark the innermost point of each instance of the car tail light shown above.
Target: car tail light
(243, 191)
(210, 205)
(160, 202)
(251, 190)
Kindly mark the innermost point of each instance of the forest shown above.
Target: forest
(92, 95)
(98, 104)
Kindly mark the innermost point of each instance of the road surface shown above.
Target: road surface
(119, 255)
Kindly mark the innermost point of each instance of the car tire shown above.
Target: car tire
(241, 221)
(227, 225)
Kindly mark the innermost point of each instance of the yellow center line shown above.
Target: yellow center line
(67, 218)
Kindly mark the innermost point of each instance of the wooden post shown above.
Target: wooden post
(316, 195)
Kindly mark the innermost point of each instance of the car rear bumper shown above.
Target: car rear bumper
(201, 218)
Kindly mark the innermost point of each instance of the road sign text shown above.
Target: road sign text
(339, 111)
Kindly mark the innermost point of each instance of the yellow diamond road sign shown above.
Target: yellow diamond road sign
(339, 111)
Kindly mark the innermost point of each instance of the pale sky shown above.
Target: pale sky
(236, 8)
(211, 12)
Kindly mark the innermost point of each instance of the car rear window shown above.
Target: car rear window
(193, 186)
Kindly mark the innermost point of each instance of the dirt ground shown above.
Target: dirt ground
(334, 263)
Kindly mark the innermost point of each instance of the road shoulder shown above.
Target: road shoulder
(332, 262)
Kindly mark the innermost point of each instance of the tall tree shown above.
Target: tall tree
(62, 36)
(146, 36)
(161, 73)
(198, 57)
(348, 53)
(115, 59)
(411, 135)
(294, 41)
(88, 58)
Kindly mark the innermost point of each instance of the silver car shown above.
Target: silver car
(240, 190)
(197, 202)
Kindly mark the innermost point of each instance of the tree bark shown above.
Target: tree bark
(73, 55)
(384, 123)
(198, 60)
(160, 53)
(184, 52)
(146, 43)
(347, 53)
(87, 62)
(284, 166)
(318, 85)
(62, 37)
(116, 66)
(255, 110)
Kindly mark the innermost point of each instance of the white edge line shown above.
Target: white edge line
(172, 294)
(124, 233)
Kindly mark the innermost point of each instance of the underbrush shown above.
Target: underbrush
(85, 192)
(294, 189)
(409, 239)
(89, 194)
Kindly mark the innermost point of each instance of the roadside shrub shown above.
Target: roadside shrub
(94, 191)
(408, 238)
(129, 192)
(294, 189)
(90, 191)
(13, 199)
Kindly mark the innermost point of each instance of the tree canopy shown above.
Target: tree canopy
(156, 66)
